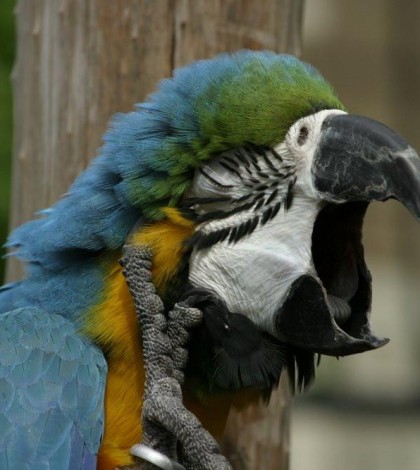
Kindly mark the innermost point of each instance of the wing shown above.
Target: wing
(52, 385)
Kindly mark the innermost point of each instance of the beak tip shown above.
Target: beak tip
(319, 333)
(377, 342)
(349, 345)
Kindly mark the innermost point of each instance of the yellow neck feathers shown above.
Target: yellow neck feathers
(166, 239)
(113, 325)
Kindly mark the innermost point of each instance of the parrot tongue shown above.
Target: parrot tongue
(329, 313)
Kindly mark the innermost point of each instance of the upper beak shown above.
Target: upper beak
(359, 159)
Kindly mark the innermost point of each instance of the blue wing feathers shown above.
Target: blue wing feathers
(51, 393)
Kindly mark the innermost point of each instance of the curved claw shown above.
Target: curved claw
(305, 320)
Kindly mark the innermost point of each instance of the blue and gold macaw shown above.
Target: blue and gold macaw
(248, 181)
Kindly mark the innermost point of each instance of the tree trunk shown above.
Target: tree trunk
(79, 62)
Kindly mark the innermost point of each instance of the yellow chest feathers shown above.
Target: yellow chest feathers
(113, 325)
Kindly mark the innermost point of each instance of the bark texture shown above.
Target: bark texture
(78, 63)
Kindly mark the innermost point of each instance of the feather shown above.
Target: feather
(36, 421)
(231, 352)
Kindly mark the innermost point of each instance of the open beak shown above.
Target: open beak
(358, 160)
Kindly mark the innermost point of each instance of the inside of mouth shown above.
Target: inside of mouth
(337, 252)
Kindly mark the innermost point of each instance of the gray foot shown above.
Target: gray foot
(168, 427)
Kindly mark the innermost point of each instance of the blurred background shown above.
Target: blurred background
(364, 411)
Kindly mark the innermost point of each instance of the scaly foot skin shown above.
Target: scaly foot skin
(167, 425)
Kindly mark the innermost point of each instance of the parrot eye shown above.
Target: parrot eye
(303, 135)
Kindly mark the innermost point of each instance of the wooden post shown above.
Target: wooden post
(79, 62)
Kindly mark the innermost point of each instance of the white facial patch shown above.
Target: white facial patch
(302, 141)
(253, 275)
(258, 207)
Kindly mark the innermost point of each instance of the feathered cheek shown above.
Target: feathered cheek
(249, 278)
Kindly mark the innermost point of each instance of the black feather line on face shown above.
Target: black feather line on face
(225, 233)
(244, 198)
(260, 203)
(242, 231)
(267, 215)
(255, 222)
(238, 154)
(229, 352)
(290, 194)
(232, 236)
(276, 209)
(272, 196)
(268, 162)
(191, 201)
(215, 182)
(262, 192)
(255, 164)
(201, 240)
(259, 196)
(232, 170)
(223, 214)
(276, 155)
(250, 153)
(259, 150)
(248, 170)
(232, 161)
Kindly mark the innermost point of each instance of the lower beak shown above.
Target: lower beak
(306, 321)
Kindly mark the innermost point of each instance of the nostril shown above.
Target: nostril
(303, 135)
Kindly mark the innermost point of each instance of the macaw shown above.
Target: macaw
(248, 181)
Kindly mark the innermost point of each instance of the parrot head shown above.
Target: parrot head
(258, 151)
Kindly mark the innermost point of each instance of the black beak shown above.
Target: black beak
(306, 320)
(359, 159)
